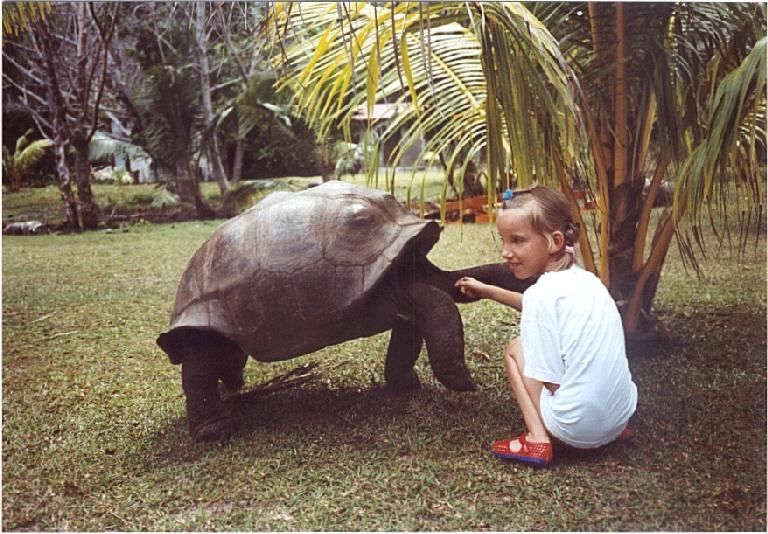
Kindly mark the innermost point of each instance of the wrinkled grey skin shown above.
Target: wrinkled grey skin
(302, 271)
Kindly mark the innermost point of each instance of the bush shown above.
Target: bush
(143, 199)
(111, 175)
(274, 150)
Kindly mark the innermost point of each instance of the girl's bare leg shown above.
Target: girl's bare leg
(527, 392)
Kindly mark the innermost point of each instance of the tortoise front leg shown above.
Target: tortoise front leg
(404, 347)
(438, 319)
(208, 418)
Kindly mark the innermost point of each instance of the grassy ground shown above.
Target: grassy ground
(94, 436)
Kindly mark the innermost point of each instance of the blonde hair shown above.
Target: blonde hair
(549, 211)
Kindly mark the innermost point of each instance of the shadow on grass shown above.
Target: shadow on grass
(374, 420)
(708, 374)
(342, 417)
(322, 410)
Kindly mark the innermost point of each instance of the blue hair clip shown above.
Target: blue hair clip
(507, 195)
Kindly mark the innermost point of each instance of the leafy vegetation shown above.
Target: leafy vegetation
(184, 83)
(614, 100)
(21, 161)
(94, 436)
(44, 204)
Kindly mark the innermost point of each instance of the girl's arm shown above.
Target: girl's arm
(474, 288)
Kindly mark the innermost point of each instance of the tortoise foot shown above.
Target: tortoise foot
(208, 419)
(457, 381)
(209, 431)
(230, 388)
(408, 382)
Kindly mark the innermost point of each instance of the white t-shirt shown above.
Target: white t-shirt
(572, 335)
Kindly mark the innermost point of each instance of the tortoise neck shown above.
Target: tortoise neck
(417, 268)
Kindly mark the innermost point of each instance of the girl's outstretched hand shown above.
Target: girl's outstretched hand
(471, 288)
(475, 289)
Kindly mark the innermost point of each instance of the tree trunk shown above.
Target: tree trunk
(621, 253)
(602, 141)
(237, 167)
(15, 180)
(325, 163)
(625, 193)
(187, 186)
(183, 183)
(636, 310)
(56, 107)
(134, 175)
(65, 182)
(472, 185)
(213, 151)
(89, 211)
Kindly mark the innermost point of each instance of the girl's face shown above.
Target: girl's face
(526, 251)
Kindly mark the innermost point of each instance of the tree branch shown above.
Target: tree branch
(231, 48)
(105, 40)
(654, 263)
(22, 47)
(24, 90)
(56, 101)
(28, 72)
(42, 124)
(223, 85)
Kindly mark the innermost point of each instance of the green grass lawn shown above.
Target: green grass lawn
(94, 436)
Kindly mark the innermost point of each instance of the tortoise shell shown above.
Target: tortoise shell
(281, 278)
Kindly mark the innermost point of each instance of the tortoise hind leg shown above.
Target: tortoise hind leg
(233, 363)
(404, 348)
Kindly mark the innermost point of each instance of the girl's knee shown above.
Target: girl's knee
(514, 350)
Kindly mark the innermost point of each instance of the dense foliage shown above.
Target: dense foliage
(172, 75)
(620, 99)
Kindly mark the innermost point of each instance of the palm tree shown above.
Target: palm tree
(173, 126)
(19, 163)
(17, 16)
(256, 104)
(611, 95)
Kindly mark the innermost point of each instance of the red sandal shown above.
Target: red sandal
(530, 452)
(626, 435)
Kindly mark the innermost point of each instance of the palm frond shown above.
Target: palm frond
(162, 198)
(105, 145)
(369, 58)
(247, 192)
(17, 16)
(714, 162)
(32, 153)
(174, 121)
(7, 161)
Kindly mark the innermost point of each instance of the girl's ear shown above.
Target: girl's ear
(558, 240)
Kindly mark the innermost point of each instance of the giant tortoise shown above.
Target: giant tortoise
(300, 271)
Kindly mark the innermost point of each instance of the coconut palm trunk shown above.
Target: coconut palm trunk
(624, 186)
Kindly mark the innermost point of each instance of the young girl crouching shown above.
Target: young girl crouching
(568, 369)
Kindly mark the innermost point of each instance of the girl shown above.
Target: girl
(568, 369)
